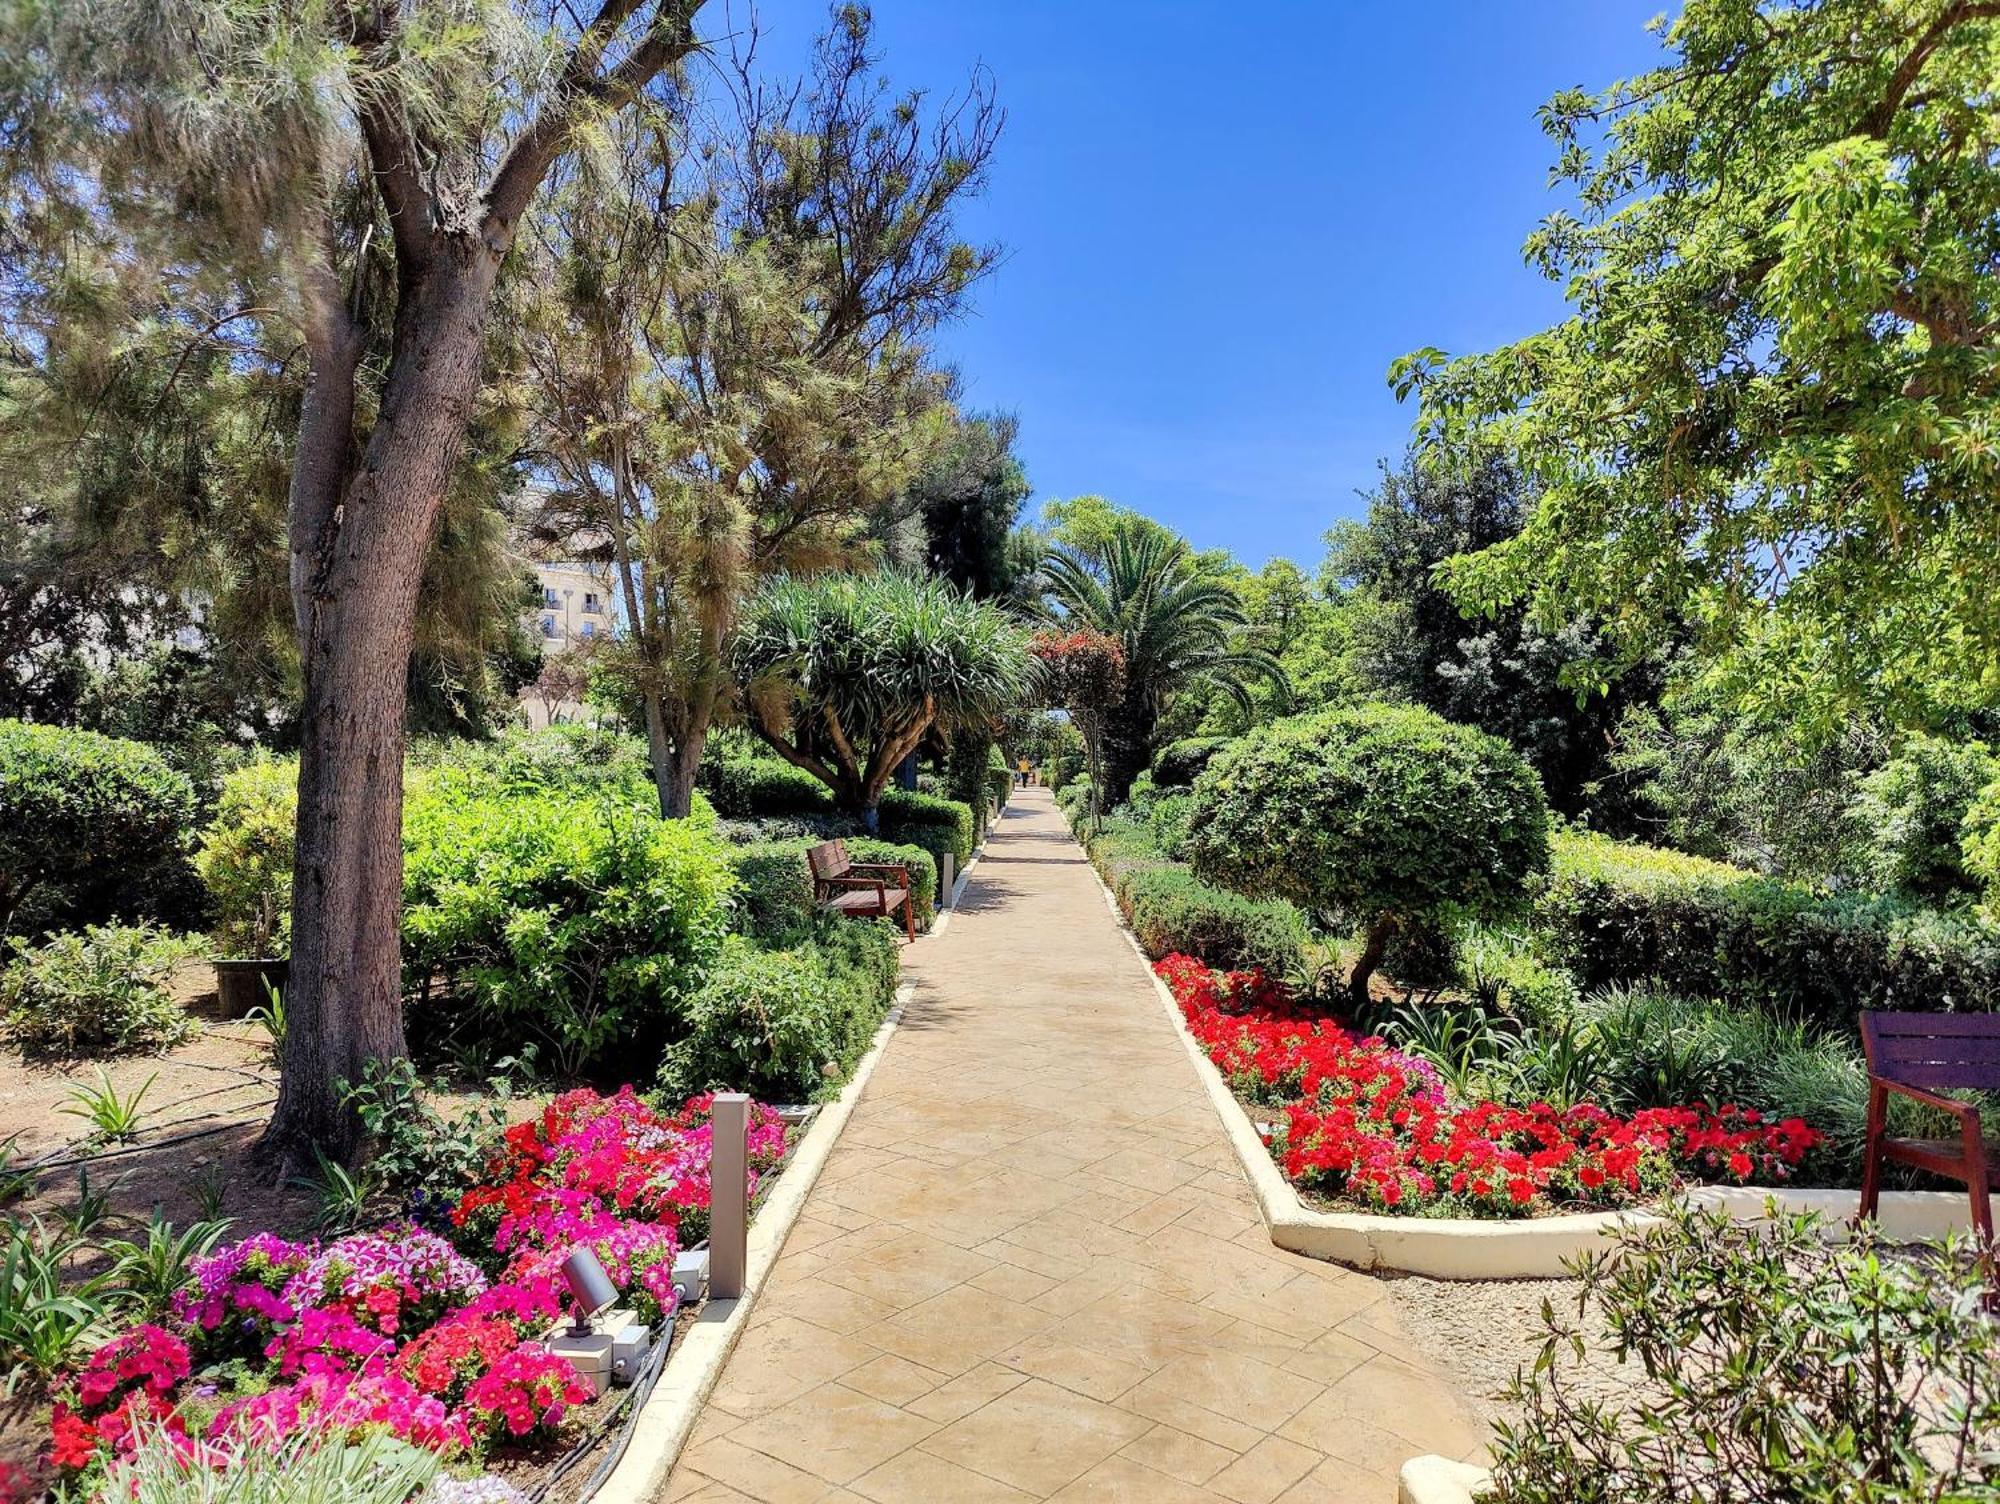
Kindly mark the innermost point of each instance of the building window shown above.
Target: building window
(590, 629)
(548, 626)
(590, 601)
(549, 597)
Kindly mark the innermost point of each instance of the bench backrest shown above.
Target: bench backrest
(1934, 1049)
(828, 860)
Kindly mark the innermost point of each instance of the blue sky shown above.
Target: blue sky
(1223, 222)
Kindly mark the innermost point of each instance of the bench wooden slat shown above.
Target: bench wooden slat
(1926, 1052)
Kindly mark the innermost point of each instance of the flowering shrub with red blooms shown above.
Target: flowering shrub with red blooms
(398, 1330)
(1369, 1122)
(458, 1350)
(129, 1378)
(525, 1391)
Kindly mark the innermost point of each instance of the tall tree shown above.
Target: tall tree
(316, 154)
(1770, 413)
(726, 329)
(1176, 623)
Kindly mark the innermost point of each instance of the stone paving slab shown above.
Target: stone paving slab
(1032, 1270)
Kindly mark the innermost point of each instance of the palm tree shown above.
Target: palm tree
(1177, 623)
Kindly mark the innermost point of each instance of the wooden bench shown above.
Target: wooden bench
(1910, 1054)
(864, 889)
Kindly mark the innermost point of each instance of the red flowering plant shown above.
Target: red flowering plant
(523, 1393)
(126, 1382)
(1373, 1124)
(398, 1329)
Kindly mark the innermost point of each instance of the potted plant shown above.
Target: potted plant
(245, 858)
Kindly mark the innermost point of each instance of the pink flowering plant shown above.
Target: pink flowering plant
(435, 1340)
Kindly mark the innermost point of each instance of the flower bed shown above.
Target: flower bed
(432, 1337)
(1360, 1121)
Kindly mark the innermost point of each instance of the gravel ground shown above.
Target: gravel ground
(1481, 1332)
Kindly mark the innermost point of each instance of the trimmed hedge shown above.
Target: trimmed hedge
(1171, 910)
(758, 788)
(937, 825)
(1613, 911)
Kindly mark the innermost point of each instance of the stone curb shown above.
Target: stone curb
(1482, 1248)
(1439, 1480)
(662, 1427)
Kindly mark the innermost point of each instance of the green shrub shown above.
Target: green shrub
(80, 815)
(1178, 764)
(1170, 910)
(100, 992)
(1913, 810)
(563, 759)
(1171, 813)
(784, 1025)
(774, 892)
(245, 858)
(1379, 815)
(745, 787)
(1614, 911)
(999, 786)
(1709, 1311)
(1502, 968)
(922, 867)
(1073, 799)
(574, 925)
(941, 826)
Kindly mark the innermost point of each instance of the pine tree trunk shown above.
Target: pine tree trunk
(357, 599)
(682, 765)
(660, 751)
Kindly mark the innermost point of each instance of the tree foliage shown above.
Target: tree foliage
(1379, 816)
(1770, 414)
(844, 674)
(726, 326)
(1174, 618)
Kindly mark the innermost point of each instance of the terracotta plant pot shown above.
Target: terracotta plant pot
(240, 984)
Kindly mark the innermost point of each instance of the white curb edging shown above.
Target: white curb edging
(1479, 1248)
(662, 1427)
(1439, 1480)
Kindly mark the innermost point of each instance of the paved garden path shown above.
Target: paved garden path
(1032, 1268)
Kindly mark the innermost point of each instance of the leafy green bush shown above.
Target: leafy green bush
(745, 787)
(940, 826)
(1073, 799)
(79, 814)
(774, 892)
(784, 1025)
(922, 867)
(1171, 813)
(563, 759)
(245, 858)
(1778, 1365)
(1378, 814)
(1614, 911)
(574, 925)
(999, 786)
(1171, 910)
(1913, 809)
(96, 993)
(1178, 764)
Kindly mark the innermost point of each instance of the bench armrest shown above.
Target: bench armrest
(1963, 1111)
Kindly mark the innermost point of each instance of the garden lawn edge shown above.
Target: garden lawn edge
(662, 1426)
(1480, 1248)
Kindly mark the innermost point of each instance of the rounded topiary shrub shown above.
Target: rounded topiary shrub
(79, 810)
(1180, 763)
(1374, 815)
